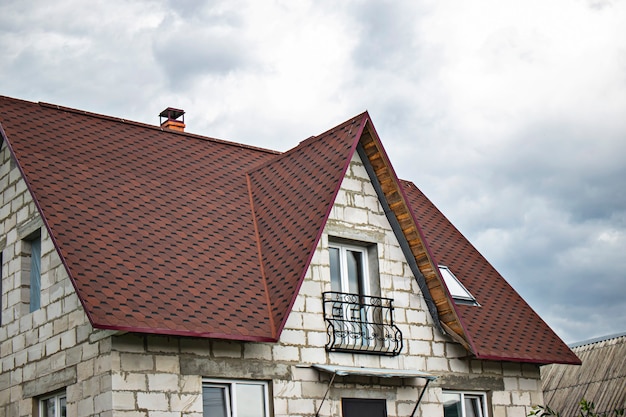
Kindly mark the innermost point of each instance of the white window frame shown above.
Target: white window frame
(483, 400)
(231, 389)
(57, 404)
(34, 302)
(343, 260)
(456, 288)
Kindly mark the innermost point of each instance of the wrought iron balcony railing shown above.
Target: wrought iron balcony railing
(361, 323)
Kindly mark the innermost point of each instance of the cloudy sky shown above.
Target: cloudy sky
(510, 115)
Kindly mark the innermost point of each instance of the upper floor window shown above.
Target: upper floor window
(348, 268)
(1, 278)
(29, 233)
(464, 404)
(222, 398)
(31, 249)
(53, 406)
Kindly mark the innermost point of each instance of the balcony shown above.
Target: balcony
(361, 323)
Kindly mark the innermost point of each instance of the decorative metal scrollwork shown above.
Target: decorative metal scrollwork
(361, 323)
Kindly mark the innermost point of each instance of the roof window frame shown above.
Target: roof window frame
(457, 290)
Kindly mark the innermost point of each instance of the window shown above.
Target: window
(235, 398)
(348, 268)
(357, 317)
(464, 404)
(457, 290)
(348, 274)
(53, 406)
(363, 407)
(33, 245)
(1, 277)
(29, 233)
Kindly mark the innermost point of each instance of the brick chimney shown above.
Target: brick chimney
(171, 116)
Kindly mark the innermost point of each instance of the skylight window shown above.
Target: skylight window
(457, 290)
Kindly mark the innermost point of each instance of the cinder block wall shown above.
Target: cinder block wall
(53, 347)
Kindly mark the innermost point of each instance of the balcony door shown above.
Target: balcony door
(348, 275)
(358, 320)
(348, 269)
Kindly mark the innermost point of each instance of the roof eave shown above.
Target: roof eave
(537, 361)
(187, 333)
(44, 220)
(399, 205)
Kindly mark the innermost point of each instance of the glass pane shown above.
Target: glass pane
(457, 290)
(63, 407)
(214, 402)
(473, 406)
(451, 405)
(335, 270)
(47, 408)
(250, 400)
(35, 274)
(355, 271)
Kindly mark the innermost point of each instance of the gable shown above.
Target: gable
(291, 196)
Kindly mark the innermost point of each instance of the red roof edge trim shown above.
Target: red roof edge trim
(384, 155)
(45, 222)
(186, 333)
(527, 360)
(268, 302)
(365, 117)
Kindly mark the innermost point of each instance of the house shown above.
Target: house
(601, 379)
(150, 272)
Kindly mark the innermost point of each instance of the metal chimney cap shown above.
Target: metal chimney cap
(172, 114)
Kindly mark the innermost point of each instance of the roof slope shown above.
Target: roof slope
(151, 225)
(601, 379)
(503, 327)
(292, 196)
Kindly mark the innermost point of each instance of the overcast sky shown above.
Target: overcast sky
(510, 115)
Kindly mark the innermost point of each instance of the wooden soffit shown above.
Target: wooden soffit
(390, 186)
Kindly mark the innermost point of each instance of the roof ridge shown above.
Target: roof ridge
(150, 126)
(598, 339)
(307, 142)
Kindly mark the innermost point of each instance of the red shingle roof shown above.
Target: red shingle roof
(503, 327)
(173, 233)
(292, 196)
